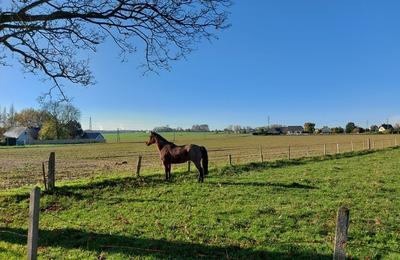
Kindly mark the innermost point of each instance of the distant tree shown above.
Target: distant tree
(73, 129)
(337, 130)
(30, 117)
(350, 127)
(374, 128)
(11, 117)
(50, 131)
(160, 129)
(358, 130)
(396, 128)
(61, 113)
(309, 127)
(4, 117)
(200, 128)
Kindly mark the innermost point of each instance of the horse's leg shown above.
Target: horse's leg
(166, 170)
(200, 169)
(169, 171)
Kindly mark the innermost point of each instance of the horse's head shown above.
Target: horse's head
(152, 139)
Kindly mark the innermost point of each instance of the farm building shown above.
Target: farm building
(294, 130)
(385, 128)
(21, 135)
(92, 135)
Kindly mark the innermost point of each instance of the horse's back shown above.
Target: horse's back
(181, 153)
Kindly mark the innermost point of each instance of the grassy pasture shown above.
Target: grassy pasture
(285, 209)
(21, 166)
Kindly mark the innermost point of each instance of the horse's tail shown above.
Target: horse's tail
(204, 156)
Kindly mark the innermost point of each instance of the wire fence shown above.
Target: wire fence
(22, 172)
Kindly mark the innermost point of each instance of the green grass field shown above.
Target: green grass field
(282, 209)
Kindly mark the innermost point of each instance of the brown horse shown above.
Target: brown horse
(172, 154)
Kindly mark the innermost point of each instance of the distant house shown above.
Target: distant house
(385, 128)
(294, 130)
(274, 131)
(326, 130)
(93, 135)
(21, 135)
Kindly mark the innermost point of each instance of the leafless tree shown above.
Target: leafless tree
(47, 36)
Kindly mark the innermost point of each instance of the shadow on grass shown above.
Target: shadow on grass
(293, 185)
(130, 246)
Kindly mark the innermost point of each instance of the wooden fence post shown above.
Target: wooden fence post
(337, 148)
(342, 226)
(188, 166)
(395, 141)
(230, 159)
(33, 228)
(44, 176)
(369, 144)
(324, 149)
(261, 154)
(51, 172)
(138, 165)
(289, 152)
(352, 146)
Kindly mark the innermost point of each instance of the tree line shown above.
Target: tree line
(194, 128)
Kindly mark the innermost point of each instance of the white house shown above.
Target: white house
(385, 128)
(22, 135)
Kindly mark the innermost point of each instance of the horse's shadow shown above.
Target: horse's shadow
(129, 246)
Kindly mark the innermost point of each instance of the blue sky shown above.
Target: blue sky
(327, 62)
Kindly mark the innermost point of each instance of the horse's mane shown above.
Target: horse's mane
(161, 138)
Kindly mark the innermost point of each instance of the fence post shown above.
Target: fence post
(44, 176)
(352, 146)
(51, 178)
(395, 141)
(289, 152)
(188, 166)
(230, 160)
(33, 228)
(342, 226)
(324, 149)
(261, 154)
(369, 144)
(138, 165)
(337, 148)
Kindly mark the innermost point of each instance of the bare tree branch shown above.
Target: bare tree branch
(48, 35)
